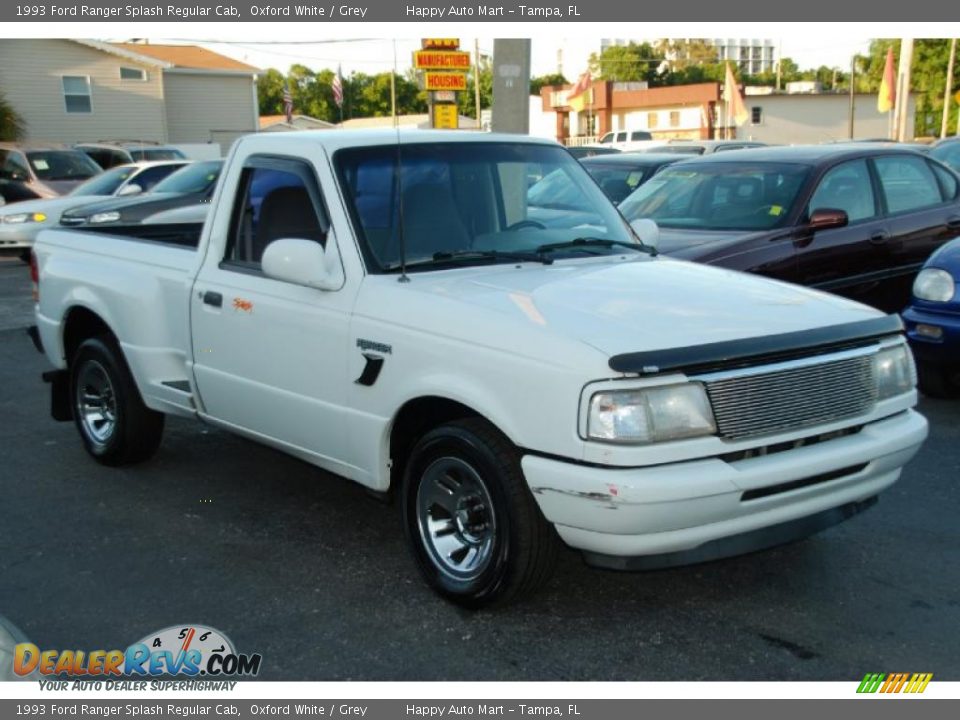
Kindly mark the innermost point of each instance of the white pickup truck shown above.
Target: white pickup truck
(391, 308)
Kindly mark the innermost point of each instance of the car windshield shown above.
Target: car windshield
(719, 196)
(62, 165)
(196, 178)
(475, 200)
(106, 183)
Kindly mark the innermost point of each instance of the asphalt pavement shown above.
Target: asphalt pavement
(308, 570)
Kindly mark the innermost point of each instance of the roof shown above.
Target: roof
(34, 145)
(633, 159)
(268, 120)
(402, 120)
(804, 154)
(188, 57)
(335, 140)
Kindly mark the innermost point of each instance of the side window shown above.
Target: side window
(948, 183)
(621, 137)
(846, 187)
(908, 183)
(14, 168)
(276, 199)
(640, 135)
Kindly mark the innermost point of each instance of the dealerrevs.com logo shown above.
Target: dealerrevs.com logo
(180, 650)
(888, 683)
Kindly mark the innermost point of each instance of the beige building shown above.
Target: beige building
(793, 119)
(86, 90)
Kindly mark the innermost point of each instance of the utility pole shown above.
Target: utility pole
(476, 78)
(902, 107)
(853, 85)
(948, 89)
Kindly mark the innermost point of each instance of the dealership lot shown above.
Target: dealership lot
(312, 573)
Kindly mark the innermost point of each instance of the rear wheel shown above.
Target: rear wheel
(114, 424)
(473, 527)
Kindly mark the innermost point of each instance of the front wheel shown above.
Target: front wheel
(473, 527)
(114, 424)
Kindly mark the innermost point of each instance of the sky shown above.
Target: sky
(372, 55)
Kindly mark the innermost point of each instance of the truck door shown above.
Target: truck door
(269, 355)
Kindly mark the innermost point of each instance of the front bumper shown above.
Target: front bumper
(17, 238)
(939, 352)
(678, 507)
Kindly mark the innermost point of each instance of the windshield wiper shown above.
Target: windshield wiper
(467, 256)
(585, 242)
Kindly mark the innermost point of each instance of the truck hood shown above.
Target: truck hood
(614, 305)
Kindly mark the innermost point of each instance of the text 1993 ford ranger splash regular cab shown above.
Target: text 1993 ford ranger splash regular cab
(392, 308)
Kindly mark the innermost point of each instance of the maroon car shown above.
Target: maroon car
(857, 221)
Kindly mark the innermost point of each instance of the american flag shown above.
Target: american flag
(288, 103)
(337, 86)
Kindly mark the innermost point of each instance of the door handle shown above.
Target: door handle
(879, 238)
(953, 222)
(213, 298)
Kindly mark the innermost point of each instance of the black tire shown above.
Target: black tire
(127, 431)
(510, 547)
(935, 381)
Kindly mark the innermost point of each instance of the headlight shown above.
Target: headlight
(934, 285)
(668, 412)
(894, 372)
(23, 218)
(105, 217)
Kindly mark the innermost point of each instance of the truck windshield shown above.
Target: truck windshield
(479, 201)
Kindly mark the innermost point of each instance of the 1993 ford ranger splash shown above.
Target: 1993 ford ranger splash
(394, 309)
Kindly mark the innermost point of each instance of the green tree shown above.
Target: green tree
(545, 81)
(627, 63)
(466, 101)
(928, 79)
(270, 92)
(12, 126)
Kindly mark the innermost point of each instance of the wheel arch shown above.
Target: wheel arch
(81, 323)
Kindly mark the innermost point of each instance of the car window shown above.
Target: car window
(275, 200)
(640, 135)
(948, 153)
(908, 183)
(608, 138)
(617, 182)
(152, 175)
(621, 137)
(62, 165)
(718, 196)
(948, 182)
(846, 187)
(14, 168)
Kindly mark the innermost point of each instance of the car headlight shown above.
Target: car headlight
(23, 218)
(105, 217)
(894, 372)
(657, 414)
(934, 285)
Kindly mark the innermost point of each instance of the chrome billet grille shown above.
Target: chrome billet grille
(793, 398)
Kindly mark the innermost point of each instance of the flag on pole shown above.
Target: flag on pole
(736, 110)
(581, 94)
(337, 86)
(887, 97)
(288, 103)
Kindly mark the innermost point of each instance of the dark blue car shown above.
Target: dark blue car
(933, 322)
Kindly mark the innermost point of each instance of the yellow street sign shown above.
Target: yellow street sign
(440, 43)
(441, 60)
(444, 81)
(445, 116)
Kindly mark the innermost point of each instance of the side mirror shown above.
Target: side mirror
(302, 262)
(130, 189)
(647, 230)
(826, 218)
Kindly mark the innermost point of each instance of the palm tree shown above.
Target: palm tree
(12, 126)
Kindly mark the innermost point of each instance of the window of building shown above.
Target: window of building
(652, 120)
(674, 118)
(128, 73)
(756, 115)
(76, 94)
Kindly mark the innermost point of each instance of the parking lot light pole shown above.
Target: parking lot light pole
(948, 89)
